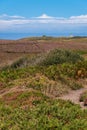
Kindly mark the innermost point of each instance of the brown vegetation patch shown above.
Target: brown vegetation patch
(21, 98)
(11, 50)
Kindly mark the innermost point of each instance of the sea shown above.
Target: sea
(16, 36)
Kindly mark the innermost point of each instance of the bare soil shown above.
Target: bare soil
(74, 96)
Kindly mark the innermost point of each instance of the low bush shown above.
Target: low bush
(61, 56)
(76, 71)
(47, 115)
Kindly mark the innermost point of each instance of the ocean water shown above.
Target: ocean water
(15, 36)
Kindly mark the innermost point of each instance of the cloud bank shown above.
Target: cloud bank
(44, 22)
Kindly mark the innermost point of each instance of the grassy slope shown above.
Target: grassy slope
(26, 108)
(28, 97)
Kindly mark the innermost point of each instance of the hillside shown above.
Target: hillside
(10, 50)
(34, 45)
(44, 89)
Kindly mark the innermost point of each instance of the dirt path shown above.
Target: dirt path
(74, 96)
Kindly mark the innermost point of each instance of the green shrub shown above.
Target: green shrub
(61, 56)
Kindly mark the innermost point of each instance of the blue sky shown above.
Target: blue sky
(32, 8)
(43, 16)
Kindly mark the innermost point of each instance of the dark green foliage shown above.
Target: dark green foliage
(61, 56)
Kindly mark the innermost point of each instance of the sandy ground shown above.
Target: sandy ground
(74, 96)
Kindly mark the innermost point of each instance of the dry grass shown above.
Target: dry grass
(9, 58)
(29, 46)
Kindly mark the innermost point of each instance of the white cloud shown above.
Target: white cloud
(79, 17)
(73, 19)
(42, 19)
(44, 16)
(12, 22)
(5, 16)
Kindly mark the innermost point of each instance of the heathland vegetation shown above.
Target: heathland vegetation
(31, 88)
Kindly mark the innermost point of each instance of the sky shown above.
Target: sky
(43, 17)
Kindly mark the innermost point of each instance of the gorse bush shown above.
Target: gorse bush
(61, 56)
(45, 115)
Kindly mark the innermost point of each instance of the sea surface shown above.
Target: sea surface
(15, 36)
